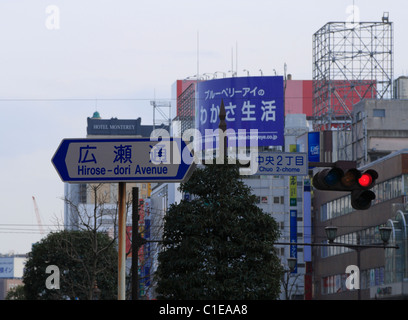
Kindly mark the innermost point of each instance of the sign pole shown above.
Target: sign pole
(135, 244)
(122, 242)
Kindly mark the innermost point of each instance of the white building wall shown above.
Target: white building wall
(12, 267)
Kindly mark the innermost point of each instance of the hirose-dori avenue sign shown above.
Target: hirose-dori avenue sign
(122, 160)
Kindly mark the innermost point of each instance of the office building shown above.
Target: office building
(11, 273)
(333, 208)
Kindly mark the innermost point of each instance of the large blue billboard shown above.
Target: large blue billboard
(250, 103)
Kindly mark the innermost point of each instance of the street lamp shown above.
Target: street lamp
(215, 74)
(292, 263)
(286, 276)
(208, 75)
(233, 73)
(385, 233)
(331, 233)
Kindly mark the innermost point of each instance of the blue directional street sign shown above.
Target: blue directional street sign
(281, 163)
(123, 160)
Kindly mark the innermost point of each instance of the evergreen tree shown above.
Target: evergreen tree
(83, 259)
(219, 245)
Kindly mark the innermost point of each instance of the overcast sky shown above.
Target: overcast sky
(60, 60)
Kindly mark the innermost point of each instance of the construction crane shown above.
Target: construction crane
(37, 213)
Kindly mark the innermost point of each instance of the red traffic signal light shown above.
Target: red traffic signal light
(352, 180)
(367, 179)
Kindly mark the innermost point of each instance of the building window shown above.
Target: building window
(282, 251)
(379, 113)
(323, 212)
(82, 193)
(279, 200)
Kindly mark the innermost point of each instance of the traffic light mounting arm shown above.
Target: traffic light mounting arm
(341, 164)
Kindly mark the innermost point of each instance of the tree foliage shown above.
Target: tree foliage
(219, 244)
(16, 293)
(82, 257)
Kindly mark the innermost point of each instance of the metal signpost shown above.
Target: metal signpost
(123, 160)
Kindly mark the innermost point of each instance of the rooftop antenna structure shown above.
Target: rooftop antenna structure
(236, 56)
(351, 62)
(161, 113)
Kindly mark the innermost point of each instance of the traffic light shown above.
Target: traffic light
(362, 197)
(353, 180)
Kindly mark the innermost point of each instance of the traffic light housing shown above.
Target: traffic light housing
(352, 180)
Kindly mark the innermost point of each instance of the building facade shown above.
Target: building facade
(334, 209)
(378, 140)
(380, 127)
(11, 273)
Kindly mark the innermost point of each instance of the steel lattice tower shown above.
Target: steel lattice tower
(351, 62)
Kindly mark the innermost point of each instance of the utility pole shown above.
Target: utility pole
(223, 131)
(135, 243)
(122, 242)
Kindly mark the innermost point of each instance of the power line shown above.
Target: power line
(77, 99)
(110, 99)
